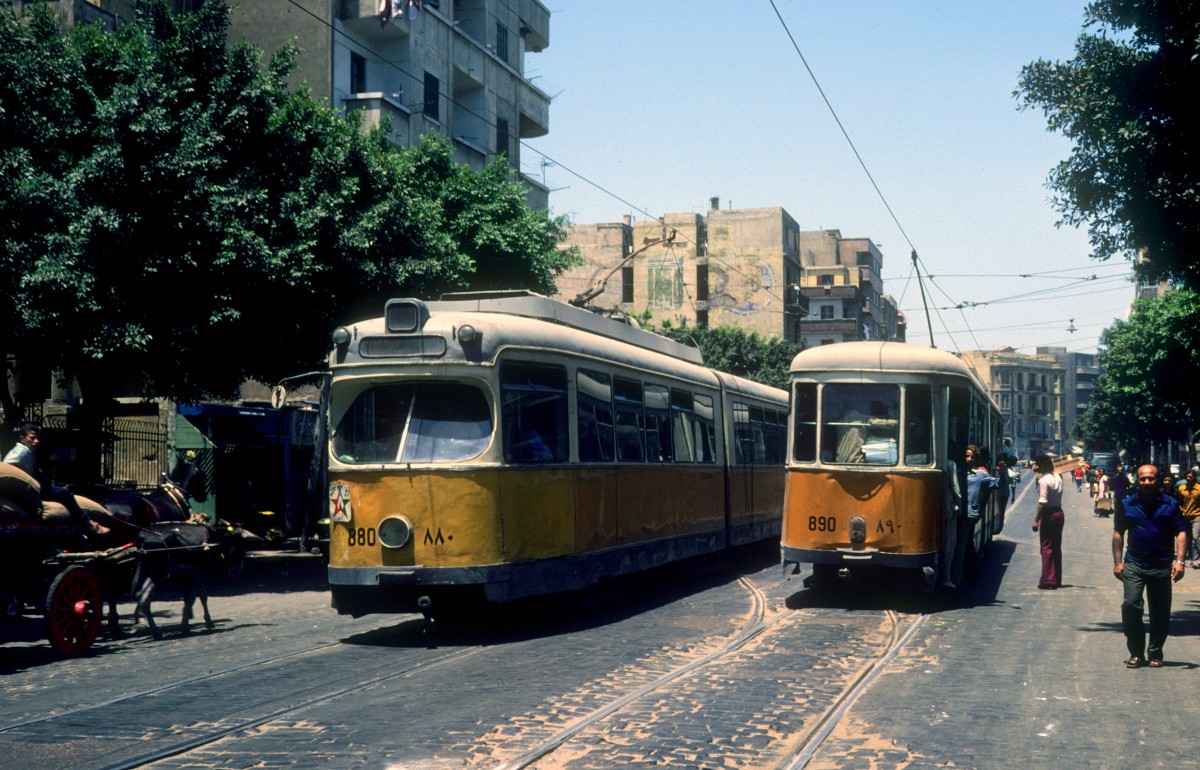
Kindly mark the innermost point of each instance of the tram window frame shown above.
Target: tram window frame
(706, 429)
(376, 434)
(682, 426)
(594, 416)
(958, 428)
(846, 431)
(917, 439)
(657, 406)
(804, 423)
(533, 412)
(629, 420)
(774, 430)
(743, 435)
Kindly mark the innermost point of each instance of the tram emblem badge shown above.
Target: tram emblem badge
(339, 501)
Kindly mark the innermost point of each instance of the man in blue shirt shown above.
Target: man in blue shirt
(1157, 537)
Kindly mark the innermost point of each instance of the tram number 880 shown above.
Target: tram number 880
(361, 536)
(822, 523)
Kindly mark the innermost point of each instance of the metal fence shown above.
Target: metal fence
(138, 454)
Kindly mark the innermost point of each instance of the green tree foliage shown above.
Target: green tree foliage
(1127, 101)
(172, 215)
(766, 360)
(1151, 374)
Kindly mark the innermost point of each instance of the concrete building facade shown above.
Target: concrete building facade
(1028, 388)
(842, 279)
(725, 268)
(1079, 373)
(452, 66)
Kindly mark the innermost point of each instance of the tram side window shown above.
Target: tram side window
(706, 431)
(595, 419)
(658, 424)
(743, 436)
(804, 400)
(533, 412)
(918, 420)
(437, 422)
(774, 435)
(630, 424)
(681, 426)
(860, 424)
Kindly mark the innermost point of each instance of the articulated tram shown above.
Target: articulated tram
(876, 475)
(498, 446)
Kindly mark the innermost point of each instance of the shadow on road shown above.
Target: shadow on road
(610, 602)
(902, 591)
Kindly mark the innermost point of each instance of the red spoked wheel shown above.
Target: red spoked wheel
(73, 610)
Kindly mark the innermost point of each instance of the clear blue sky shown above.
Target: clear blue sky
(660, 105)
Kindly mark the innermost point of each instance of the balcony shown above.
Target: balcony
(534, 108)
(535, 24)
(361, 19)
(376, 107)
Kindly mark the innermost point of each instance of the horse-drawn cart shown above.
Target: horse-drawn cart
(49, 570)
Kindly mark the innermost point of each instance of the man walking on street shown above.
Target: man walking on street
(1157, 536)
(1189, 506)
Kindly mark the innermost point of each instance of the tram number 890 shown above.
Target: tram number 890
(361, 536)
(822, 523)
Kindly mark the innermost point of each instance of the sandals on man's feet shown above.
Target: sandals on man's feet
(1155, 663)
(1134, 662)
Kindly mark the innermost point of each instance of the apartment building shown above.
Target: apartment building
(842, 279)
(1029, 391)
(452, 66)
(732, 267)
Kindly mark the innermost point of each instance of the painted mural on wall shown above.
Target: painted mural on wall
(664, 288)
(759, 291)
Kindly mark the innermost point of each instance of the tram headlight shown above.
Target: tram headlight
(341, 336)
(858, 529)
(467, 334)
(394, 531)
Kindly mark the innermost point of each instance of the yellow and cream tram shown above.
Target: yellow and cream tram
(876, 472)
(506, 445)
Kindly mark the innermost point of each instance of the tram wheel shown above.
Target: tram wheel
(73, 610)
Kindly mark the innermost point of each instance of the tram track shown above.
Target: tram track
(178, 740)
(83, 709)
(796, 756)
(755, 625)
(249, 723)
(814, 738)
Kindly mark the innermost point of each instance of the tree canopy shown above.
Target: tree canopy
(1151, 375)
(1126, 101)
(173, 216)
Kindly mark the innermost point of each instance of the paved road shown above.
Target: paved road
(1034, 679)
(1000, 675)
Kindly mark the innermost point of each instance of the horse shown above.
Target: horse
(171, 501)
(182, 551)
(128, 513)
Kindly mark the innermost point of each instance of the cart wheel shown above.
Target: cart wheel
(73, 610)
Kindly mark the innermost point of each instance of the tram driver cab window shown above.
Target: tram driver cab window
(861, 424)
(413, 422)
